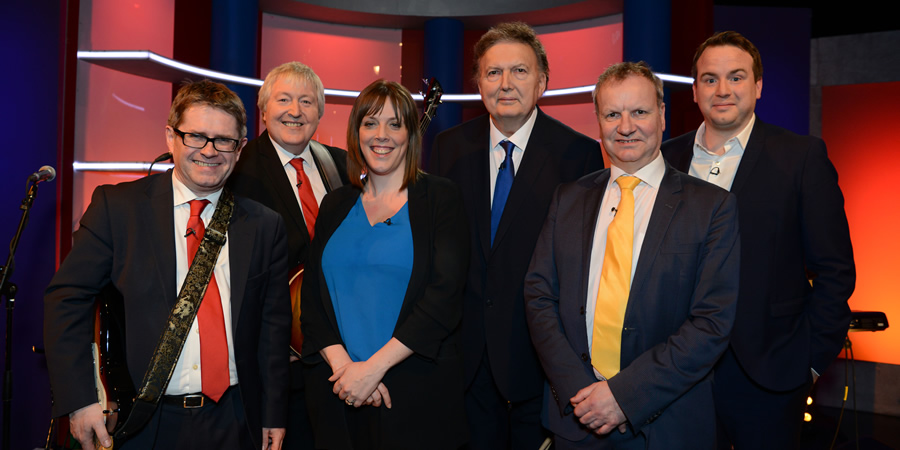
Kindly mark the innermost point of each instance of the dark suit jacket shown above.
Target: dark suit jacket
(259, 175)
(493, 314)
(680, 310)
(426, 389)
(792, 221)
(126, 238)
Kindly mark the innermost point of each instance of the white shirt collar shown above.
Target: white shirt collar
(651, 174)
(182, 194)
(520, 137)
(285, 156)
(741, 138)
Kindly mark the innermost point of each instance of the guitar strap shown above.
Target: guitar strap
(326, 166)
(170, 344)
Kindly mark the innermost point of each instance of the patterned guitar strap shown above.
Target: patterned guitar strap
(168, 349)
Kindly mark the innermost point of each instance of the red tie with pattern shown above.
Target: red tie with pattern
(307, 198)
(214, 372)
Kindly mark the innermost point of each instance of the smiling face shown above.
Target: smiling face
(291, 114)
(725, 89)
(631, 122)
(204, 170)
(383, 141)
(510, 82)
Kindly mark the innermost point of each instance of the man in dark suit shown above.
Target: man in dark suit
(133, 237)
(507, 164)
(793, 229)
(632, 290)
(292, 101)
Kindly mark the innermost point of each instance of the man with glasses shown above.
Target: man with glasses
(286, 170)
(228, 387)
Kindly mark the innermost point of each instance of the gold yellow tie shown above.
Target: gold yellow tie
(615, 283)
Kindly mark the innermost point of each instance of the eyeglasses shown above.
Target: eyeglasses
(194, 140)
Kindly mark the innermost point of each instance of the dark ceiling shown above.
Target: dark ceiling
(835, 18)
(829, 18)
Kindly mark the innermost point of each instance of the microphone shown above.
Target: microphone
(714, 171)
(503, 165)
(190, 232)
(46, 173)
(614, 211)
(387, 221)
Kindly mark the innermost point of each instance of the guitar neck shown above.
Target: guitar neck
(423, 125)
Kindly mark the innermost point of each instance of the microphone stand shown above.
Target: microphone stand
(8, 290)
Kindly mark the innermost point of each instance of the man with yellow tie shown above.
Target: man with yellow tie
(631, 292)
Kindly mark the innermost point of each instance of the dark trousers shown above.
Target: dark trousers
(750, 416)
(214, 426)
(614, 439)
(498, 424)
(299, 435)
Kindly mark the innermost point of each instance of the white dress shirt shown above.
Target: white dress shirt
(498, 153)
(719, 169)
(186, 375)
(651, 176)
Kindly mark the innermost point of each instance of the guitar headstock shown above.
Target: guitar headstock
(432, 93)
(432, 96)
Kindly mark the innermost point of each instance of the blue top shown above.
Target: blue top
(367, 270)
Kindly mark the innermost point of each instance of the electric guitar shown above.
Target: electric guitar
(115, 391)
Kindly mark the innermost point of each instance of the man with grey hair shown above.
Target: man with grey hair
(632, 289)
(507, 164)
(286, 170)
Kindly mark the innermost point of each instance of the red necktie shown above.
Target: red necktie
(214, 373)
(307, 198)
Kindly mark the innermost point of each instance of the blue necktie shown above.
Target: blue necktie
(501, 188)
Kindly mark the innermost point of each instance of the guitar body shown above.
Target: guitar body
(296, 334)
(115, 391)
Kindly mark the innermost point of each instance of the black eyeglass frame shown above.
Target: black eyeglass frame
(208, 140)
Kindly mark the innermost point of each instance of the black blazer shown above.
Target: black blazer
(680, 310)
(494, 314)
(126, 239)
(259, 175)
(792, 221)
(427, 388)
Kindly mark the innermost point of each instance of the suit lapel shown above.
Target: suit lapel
(271, 165)
(683, 158)
(161, 239)
(590, 212)
(668, 200)
(417, 207)
(751, 155)
(526, 176)
(479, 166)
(240, 247)
(346, 199)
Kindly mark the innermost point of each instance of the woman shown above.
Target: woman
(382, 295)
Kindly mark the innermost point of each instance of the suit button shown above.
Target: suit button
(581, 311)
(585, 357)
(489, 302)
